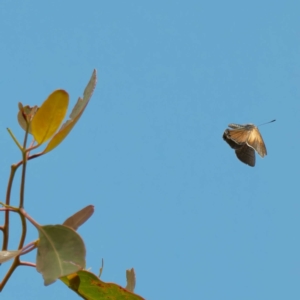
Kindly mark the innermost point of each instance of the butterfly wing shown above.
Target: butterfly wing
(230, 142)
(239, 136)
(246, 155)
(245, 140)
(237, 126)
(256, 142)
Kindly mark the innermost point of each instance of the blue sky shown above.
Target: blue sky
(171, 199)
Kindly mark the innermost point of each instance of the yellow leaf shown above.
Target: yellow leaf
(74, 116)
(49, 116)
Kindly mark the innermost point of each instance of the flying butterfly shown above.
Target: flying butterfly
(244, 139)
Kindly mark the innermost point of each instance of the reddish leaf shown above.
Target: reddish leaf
(80, 217)
(25, 115)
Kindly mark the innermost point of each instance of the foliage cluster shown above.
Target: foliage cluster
(60, 249)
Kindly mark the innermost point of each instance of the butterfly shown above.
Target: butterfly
(245, 140)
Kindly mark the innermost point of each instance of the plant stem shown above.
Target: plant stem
(9, 272)
(32, 221)
(16, 261)
(24, 156)
(15, 140)
(28, 264)
(24, 230)
(7, 202)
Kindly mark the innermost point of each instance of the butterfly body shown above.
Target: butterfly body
(245, 140)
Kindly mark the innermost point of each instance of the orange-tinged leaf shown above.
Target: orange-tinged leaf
(22, 121)
(25, 115)
(89, 286)
(74, 116)
(50, 116)
(80, 217)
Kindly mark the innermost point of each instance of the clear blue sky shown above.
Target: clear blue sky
(171, 198)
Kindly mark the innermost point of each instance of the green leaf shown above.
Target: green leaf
(7, 255)
(80, 217)
(74, 116)
(61, 252)
(50, 116)
(90, 287)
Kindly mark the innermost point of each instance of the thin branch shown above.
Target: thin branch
(24, 156)
(29, 247)
(35, 155)
(9, 273)
(32, 221)
(9, 209)
(24, 230)
(7, 202)
(27, 263)
(16, 261)
(15, 140)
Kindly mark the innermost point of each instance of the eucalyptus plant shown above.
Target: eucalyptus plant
(60, 249)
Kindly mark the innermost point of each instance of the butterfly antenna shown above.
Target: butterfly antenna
(267, 122)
